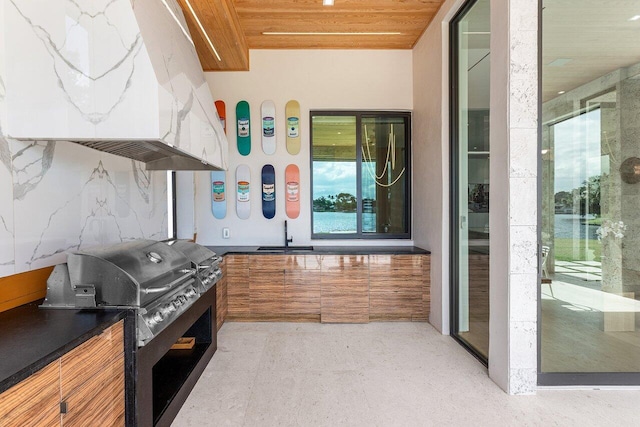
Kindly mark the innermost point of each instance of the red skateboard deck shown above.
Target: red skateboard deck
(222, 113)
(292, 195)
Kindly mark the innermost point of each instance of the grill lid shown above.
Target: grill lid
(130, 274)
(198, 254)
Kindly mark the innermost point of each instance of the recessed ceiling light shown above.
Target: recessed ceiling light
(327, 2)
(634, 18)
(560, 92)
(206, 36)
(320, 33)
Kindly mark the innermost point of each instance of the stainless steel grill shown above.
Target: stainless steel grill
(160, 280)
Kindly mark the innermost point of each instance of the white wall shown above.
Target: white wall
(431, 156)
(318, 79)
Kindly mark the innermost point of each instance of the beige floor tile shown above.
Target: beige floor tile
(386, 375)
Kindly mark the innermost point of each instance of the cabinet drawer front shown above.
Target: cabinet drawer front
(89, 358)
(32, 401)
(100, 400)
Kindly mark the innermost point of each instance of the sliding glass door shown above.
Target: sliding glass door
(590, 291)
(470, 177)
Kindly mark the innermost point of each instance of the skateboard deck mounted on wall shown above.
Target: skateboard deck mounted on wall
(268, 191)
(292, 113)
(222, 113)
(218, 194)
(243, 195)
(268, 110)
(292, 195)
(243, 132)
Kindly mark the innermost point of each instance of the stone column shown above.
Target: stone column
(514, 217)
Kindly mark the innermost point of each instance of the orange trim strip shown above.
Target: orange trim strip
(23, 288)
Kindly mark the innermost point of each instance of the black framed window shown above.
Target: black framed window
(360, 174)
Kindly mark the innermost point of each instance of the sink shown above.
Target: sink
(283, 249)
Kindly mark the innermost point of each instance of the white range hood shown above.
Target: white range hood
(120, 76)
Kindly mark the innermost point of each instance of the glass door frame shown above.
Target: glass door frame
(454, 194)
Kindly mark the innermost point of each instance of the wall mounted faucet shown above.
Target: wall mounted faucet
(287, 239)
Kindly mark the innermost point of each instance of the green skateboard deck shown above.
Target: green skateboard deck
(243, 119)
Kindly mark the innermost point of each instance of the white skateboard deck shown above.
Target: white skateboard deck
(243, 193)
(268, 127)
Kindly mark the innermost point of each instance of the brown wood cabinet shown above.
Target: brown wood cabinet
(302, 287)
(34, 401)
(237, 267)
(92, 380)
(84, 387)
(266, 286)
(327, 288)
(344, 289)
(396, 287)
(221, 297)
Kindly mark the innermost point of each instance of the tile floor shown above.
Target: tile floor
(377, 374)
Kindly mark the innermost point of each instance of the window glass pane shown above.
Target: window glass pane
(590, 292)
(334, 174)
(384, 175)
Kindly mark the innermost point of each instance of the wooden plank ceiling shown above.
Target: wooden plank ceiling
(235, 26)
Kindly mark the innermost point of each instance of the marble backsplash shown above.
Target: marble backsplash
(58, 196)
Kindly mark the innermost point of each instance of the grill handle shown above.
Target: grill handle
(168, 286)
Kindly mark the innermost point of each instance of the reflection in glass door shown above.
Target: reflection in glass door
(470, 177)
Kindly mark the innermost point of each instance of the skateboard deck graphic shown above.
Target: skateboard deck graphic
(218, 194)
(268, 191)
(243, 196)
(222, 113)
(268, 110)
(292, 195)
(292, 113)
(243, 120)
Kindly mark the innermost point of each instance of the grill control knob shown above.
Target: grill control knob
(157, 317)
(183, 299)
(177, 302)
(191, 293)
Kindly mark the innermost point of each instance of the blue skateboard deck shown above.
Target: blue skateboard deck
(219, 194)
(243, 194)
(268, 191)
(243, 129)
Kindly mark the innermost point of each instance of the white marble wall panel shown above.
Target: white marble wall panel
(7, 256)
(188, 117)
(69, 197)
(83, 71)
(108, 69)
(7, 253)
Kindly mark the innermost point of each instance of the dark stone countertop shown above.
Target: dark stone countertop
(323, 250)
(31, 338)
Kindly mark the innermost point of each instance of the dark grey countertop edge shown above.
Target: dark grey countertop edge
(323, 250)
(49, 352)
